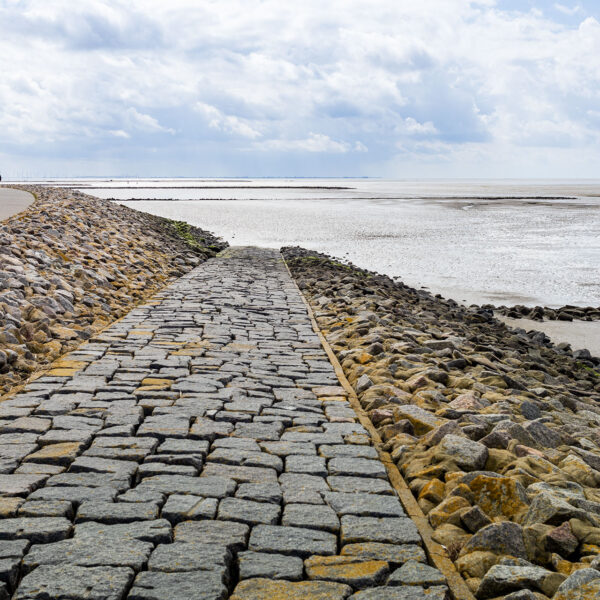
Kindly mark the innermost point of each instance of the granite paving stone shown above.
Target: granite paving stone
(356, 467)
(37, 531)
(192, 585)
(112, 513)
(294, 541)
(20, 484)
(56, 454)
(212, 487)
(191, 556)
(260, 492)
(202, 449)
(76, 495)
(367, 505)
(51, 508)
(261, 588)
(272, 566)
(187, 507)
(246, 511)
(356, 529)
(395, 554)
(75, 583)
(416, 573)
(300, 463)
(310, 516)
(233, 536)
(90, 552)
(347, 569)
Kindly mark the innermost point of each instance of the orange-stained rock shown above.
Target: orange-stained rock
(433, 491)
(499, 496)
(269, 589)
(448, 511)
(350, 570)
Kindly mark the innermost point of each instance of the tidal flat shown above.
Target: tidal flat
(497, 242)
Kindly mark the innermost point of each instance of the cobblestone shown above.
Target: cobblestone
(201, 448)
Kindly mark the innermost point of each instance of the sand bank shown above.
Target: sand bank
(13, 202)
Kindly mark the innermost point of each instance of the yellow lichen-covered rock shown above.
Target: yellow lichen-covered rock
(417, 382)
(56, 454)
(579, 471)
(259, 589)
(9, 507)
(416, 485)
(438, 471)
(448, 511)
(498, 460)
(350, 570)
(476, 564)
(533, 537)
(422, 420)
(433, 491)
(426, 506)
(451, 536)
(584, 532)
(494, 397)
(589, 549)
(532, 469)
(462, 490)
(460, 383)
(473, 583)
(494, 381)
(561, 565)
(499, 496)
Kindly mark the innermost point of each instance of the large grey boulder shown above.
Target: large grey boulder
(467, 454)
(583, 584)
(502, 579)
(504, 538)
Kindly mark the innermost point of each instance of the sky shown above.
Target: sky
(370, 88)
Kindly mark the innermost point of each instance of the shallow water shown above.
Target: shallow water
(504, 242)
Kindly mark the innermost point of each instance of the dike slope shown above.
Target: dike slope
(71, 264)
(494, 429)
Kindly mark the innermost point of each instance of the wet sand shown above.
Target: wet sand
(580, 334)
(13, 202)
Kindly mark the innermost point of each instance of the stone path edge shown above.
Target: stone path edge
(435, 552)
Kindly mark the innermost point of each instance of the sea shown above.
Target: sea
(502, 242)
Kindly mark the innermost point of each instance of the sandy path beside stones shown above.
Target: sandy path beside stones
(13, 202)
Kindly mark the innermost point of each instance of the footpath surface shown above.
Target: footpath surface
(13, 202)
(202, 448)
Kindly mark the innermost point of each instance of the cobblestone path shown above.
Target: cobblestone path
(201, 448)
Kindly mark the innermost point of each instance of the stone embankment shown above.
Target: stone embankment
(201, 448)
(71, 264)
(496, 431)
(541, 313)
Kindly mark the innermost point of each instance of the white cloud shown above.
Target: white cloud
(227, 123)
(144, 122)
(119, 133)
(315, 142)
(568, 10)
(207, 82)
